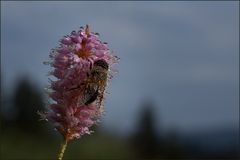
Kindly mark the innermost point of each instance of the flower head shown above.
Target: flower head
(76, 104)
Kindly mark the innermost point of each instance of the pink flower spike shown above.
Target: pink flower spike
(77, 93)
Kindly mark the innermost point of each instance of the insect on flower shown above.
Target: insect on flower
(94, 84)
(82, 65)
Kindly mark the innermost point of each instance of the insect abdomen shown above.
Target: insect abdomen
(92, 98)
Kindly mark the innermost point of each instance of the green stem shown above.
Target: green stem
(62, 149)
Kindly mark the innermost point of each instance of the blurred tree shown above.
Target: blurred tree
(145, 140)
(150, 145)
(26, 101)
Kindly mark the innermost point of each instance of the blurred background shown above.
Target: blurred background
(176, 94)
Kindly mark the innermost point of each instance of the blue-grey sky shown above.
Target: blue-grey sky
(184, 56)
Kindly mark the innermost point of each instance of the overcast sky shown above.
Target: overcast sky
(183, 56)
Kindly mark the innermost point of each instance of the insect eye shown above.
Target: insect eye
(102, 63)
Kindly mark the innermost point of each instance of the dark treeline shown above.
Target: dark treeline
(21, 116)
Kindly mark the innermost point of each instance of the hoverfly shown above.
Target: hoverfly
(94, 84)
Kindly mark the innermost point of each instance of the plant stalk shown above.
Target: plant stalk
(62, 149)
